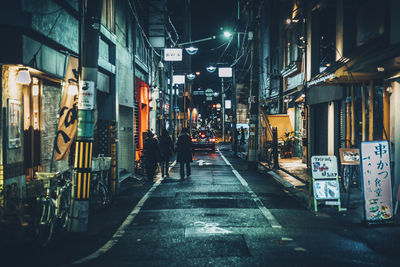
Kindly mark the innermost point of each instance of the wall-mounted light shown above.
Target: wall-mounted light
(197, 73)
(288, 21)
(190, 76)
(380, 69)
(35, 87)
(191, 50)
(160, 65)
(23, 76)
(211, 69)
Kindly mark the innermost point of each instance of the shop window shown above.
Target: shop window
(327, 41)
(370, 20)
(107, 14)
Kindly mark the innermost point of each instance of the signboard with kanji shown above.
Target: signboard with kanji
(324, 167)
(375, 166)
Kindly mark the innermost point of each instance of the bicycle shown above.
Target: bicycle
(52, 209)
(99, 189)
(350, 176)
(63, 201)
(101, 196)
(44, 219)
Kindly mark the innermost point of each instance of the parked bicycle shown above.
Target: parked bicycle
(99, 192)
(52, 209)
(99, 183)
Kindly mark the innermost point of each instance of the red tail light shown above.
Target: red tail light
(194, 139)
(202, 136)
(212, 139)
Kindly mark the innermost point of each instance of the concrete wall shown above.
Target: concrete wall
(51, 20)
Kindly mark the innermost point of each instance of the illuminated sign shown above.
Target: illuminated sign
(172, 54)
(228, 104)
(178, 79)
(224, 72)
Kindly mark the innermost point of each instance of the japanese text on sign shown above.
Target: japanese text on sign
(86, 95)
(375, 161)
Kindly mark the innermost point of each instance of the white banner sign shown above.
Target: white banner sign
(375, 165)
(224, 72)
(228, 104)
(172, 54)
(324, 167)
(178, 79)
(86, 95)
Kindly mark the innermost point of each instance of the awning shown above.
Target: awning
(296, 98)
(341, 70)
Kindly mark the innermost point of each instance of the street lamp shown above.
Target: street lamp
(211, 69)
(191, 76)
(191, 50)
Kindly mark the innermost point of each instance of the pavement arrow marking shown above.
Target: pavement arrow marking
(266, 212)
(203, 162)
(122, 228)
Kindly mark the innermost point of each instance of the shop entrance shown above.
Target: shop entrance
(32, 128)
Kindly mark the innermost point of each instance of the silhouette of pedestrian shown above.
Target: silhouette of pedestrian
(166, 150)
(151, 152)
(184, 152)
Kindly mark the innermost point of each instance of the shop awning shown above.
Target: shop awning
(341, 70)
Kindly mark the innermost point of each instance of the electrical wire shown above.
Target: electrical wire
(134, 12)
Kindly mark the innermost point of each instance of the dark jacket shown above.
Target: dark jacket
(166, 148)
(151, 151)
(184, 148)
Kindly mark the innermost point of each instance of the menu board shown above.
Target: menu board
(326, 189)
(324, 167)
(375, 164)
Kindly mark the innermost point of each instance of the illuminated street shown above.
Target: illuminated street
(200, 133)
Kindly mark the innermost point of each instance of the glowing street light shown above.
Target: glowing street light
(211, 69)
(227, 34)
(191, 50)
(190, 76)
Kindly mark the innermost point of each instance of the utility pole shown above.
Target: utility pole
(85, 131)
(254, 90)
(171, 101)
(223, 109)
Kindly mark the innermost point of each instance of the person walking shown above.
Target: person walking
(184, 152)
(151, 150)
(166, 150)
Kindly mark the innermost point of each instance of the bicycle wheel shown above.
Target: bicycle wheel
(104, 195)
(63, 209)
(347, 174)
(44, 220)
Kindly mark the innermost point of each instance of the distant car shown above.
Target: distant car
(203, 139)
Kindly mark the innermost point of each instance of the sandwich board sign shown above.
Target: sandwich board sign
(377, 188)
(325, 180)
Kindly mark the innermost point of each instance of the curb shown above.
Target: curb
(300, 194)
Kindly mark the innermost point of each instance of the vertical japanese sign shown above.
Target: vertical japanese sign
(68, 119)
(375, 164)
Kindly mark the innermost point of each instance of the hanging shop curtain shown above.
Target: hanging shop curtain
(68, 120)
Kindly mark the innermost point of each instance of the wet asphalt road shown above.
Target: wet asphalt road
(214, 219)
(220, 216)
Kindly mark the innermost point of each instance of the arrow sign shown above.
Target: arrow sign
(203, 162)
